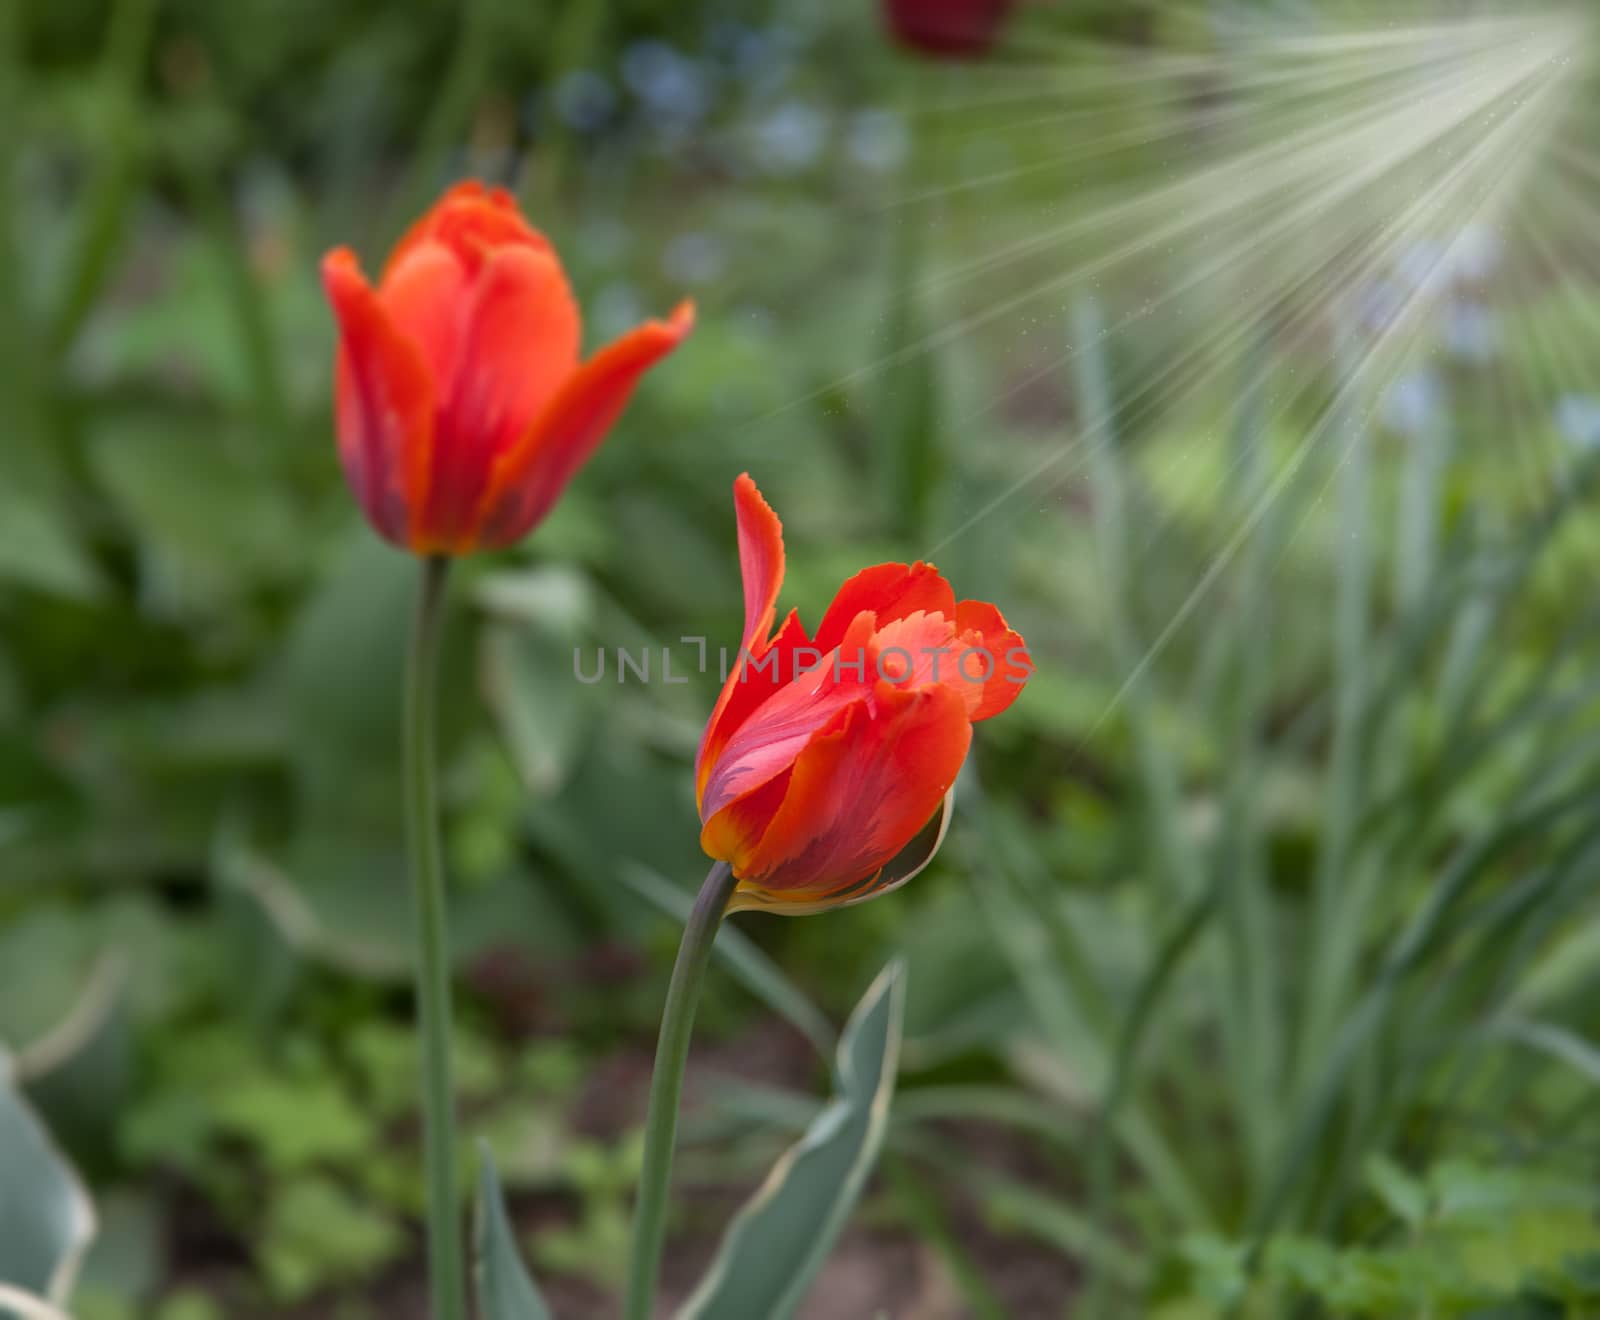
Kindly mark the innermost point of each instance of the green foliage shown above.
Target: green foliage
(318, 1133)
(317, 1235)
(1469, 1240)
(595, 1245)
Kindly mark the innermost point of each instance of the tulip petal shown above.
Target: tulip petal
(744, 821)
(529, 476)
(471, 221)
(860, 792)
(891, 591)
(760, 560)
(750, 682)
(910, 862)
(996, 650)
(918, 650)
(518, 347)
(767, 743)
(385, 401)
(423, 295)
(770, 740)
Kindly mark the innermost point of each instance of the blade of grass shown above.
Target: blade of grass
(114, 175)
(908, 392)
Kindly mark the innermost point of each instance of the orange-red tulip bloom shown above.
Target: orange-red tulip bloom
(827, 755)
(463, 409)
(946, 28)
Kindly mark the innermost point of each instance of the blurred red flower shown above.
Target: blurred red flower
(946, 28)
(827, 755)
(463, 408)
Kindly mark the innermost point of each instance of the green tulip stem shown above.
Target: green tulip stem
(446, 1257)
(666, 1087)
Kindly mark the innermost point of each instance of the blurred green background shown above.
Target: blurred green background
(1258, 974)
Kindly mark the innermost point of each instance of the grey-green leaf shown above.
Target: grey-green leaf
(780, 1239)
(505, 1290)
(46, 1218)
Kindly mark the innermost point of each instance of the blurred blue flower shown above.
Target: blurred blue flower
(1578, 419)
(1469, 257)
(1472, 332)
(666, 81)
(762, 59)
(585, 100)
(790, 137)
(1413, 402)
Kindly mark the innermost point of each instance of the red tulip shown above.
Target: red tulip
(947, 28)
(827, 755)
(463, 410)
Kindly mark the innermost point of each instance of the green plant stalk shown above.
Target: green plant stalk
(1343, 885)
(446, 1258)
(1254, 1034)
(666, 1087)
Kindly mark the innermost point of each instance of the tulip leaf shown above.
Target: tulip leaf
(505, 1290)
(780, 1239)
(46, 1218)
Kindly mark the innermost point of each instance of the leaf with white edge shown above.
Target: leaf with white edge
(505, 1291)
(46, 1218)
(780, 1239)
(25, 1306)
